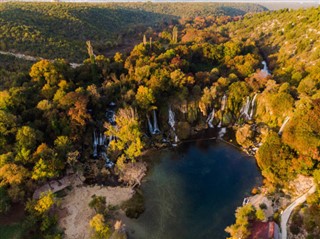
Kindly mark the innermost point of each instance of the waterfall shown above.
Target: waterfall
(95, 144)
(253, 104)
(176, 139)
(210, 118)
(223, 106)
(102, 139)
(111, 116)
(150, 125)
(171, 119)
(265, 68)
(222, 132)
(283, 125)
(245, 108)
(223, 102)
(108, 163)
(155, 123)
(172, 123)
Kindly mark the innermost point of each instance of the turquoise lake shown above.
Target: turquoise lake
(192, 191)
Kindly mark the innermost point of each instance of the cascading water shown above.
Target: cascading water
(210, 118)
(253, 104)
(171, 119)
(245, 109)
(172, 123)
(176, 140)
(156, 129)
(283, 125)
(222, 132)
(108, 163)
(102, 139)
(223, 106)
(265, 68)
(223, 102)
(150, 125)
(95, 144)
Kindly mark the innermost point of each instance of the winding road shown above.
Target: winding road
(287, 212)
(31, 58)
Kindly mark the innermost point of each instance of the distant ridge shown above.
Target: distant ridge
(170, 1)
(51, 30)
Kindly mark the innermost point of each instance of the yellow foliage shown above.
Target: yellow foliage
(12, 174)
(45, 202)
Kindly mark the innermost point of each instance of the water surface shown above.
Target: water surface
(192, 191)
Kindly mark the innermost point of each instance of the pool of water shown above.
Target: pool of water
(192, 191)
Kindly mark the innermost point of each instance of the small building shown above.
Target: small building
(264, 230)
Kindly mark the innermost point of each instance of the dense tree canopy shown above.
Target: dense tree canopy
(197, 65)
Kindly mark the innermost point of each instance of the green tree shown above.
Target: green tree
(241, 228)
(127, 132)
(98, 203)
(44, 169)
(275, 159)
(145, 97)
(27, 138)
(101, 230)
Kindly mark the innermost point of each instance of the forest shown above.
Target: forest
(50, 30)
(196, 65)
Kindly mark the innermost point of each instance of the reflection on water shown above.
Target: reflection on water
(192, 192)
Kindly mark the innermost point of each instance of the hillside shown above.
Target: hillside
(54, 30)
(202, 71)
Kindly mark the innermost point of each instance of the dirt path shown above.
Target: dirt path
(58, 185)
(287, 212)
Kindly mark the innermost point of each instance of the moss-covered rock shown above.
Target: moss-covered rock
(263, 131)
(183, 130)
(244, 136)
(227, 118)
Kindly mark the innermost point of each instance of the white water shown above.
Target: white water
(222, 132)
(176, 139)
(95, 144)
(156, 129)
(210, 118)
(265, 68)
(245, 108)
(223, 102)
(283, 125)
(108, 163)
(171, 119)
(172, 123)
(149, 125)
(223, 106)
(102, 139)
(253, 104)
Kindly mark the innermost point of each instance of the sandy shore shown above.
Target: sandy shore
(75, 214)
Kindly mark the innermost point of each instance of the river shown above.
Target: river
(192, 191)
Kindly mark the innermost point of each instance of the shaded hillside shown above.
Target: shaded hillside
(58, 29)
